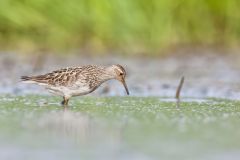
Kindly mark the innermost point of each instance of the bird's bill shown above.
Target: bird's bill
(125, 86)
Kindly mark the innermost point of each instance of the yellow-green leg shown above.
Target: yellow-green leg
(65, 101)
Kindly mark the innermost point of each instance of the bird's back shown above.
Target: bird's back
(69, 77)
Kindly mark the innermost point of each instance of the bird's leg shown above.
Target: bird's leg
(65, 101)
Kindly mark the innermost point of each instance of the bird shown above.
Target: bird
(77, 81)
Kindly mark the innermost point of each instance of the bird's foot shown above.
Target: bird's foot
(64, 102)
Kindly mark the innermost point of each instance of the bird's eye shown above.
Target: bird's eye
(121, 74)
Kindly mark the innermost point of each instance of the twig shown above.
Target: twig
(178, 92)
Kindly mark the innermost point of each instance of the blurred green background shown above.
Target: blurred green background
(127, 26)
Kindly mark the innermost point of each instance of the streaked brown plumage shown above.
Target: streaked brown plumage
(77, 81)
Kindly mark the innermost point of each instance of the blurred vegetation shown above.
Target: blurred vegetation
(139, 26)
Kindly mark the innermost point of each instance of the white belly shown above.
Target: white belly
(69, 92)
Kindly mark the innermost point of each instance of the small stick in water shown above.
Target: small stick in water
(178, 92)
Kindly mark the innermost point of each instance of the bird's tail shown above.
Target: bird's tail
(34, 79)
(26, 78)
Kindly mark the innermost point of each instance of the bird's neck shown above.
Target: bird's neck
(107, 74)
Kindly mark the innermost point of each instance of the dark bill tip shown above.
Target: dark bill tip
(125, 86)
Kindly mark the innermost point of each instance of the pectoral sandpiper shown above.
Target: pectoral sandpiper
(77, 81)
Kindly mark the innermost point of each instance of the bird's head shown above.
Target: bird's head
(120, 74)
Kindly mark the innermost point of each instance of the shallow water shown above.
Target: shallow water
(118, 128)
(147, 125)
